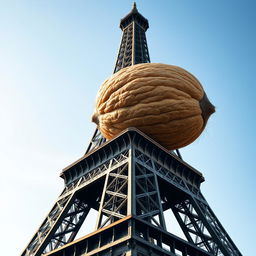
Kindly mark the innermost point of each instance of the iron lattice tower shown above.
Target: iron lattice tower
(133, 50)
(133, 183)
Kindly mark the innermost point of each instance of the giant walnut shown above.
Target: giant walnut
(165, 102)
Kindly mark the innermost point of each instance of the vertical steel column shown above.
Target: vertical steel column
(131, 210)
(148, 202)
(114, 199)
(100, 214)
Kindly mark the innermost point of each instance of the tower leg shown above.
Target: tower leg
(202, 228)
(60, 226)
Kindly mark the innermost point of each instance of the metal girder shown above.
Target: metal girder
(60, 226)
(96, 173)
(124, 58)
(113, 204)
(136, 189)
(133, 48)
(202, 228)
(225, 245)
(68, 213)
(141, 54)
(96, 141)
(138, 179)
(167, 174)
(69, 226)
(147, 196)
(130, 236)
(193, 226)
(193, 213)
(145, 145)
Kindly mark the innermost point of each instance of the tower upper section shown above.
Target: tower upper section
(133, 48)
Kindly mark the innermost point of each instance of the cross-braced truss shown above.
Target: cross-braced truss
(193, 227)
(69, 212)
(202, 228)
(132, 176)
(148, 201)
(60, 226)
(69, 226)
(114, 197)
(96, 140)
(198, 222)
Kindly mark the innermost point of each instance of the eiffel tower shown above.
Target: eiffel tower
(132, 182)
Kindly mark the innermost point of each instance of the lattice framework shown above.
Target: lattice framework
(134, 178)
(134, 182)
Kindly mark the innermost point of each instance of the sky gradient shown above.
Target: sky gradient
(54, 55)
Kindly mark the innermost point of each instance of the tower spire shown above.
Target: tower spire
(133, 48)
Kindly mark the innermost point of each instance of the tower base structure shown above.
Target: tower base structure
(132, 182)
(131, 237)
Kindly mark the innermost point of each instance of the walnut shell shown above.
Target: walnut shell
(166, 102)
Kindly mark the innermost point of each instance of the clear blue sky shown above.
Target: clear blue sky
(55, 54)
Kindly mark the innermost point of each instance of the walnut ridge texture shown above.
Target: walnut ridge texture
(166, 102)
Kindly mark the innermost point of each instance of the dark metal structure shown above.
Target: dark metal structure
(133, 183)
(133, 50)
